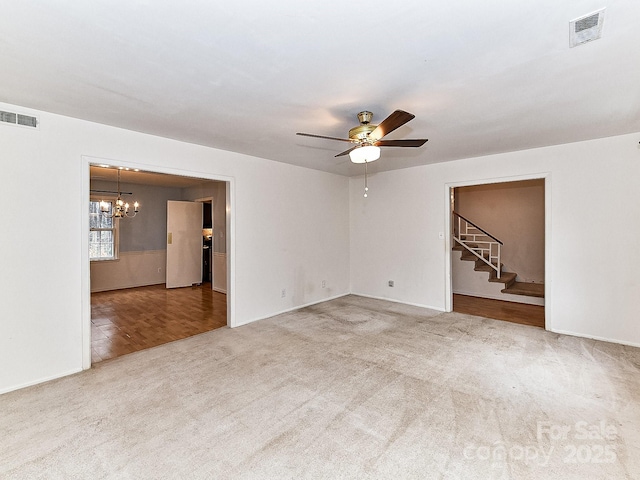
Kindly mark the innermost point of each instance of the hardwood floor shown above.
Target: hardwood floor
(125, 321)
(500, 310)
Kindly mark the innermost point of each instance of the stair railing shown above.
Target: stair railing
(478, 241)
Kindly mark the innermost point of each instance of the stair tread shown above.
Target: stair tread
(526, 288)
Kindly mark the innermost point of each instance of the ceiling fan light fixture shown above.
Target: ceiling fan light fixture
(368, 153)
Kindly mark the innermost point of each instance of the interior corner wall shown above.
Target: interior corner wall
(290, 231)
(592, 285)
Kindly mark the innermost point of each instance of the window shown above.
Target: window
(103, 231)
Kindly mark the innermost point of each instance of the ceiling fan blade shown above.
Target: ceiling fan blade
(389, 124)
(322, 136)
(347, 151)
(417, 142)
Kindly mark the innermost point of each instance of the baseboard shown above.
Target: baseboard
(122, 287)
(430, 307)
(594, 337)
(290, 309)
(509, 297)
(40, 380)
(219, 290)
(438, 309)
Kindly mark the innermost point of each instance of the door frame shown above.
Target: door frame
(86, 162)
(448, 187)
(210, 200)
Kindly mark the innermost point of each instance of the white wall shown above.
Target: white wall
(291, 230)
(592, 259)
(294, 227)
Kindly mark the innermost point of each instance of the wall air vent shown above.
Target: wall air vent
(18, 119)
(585, 29)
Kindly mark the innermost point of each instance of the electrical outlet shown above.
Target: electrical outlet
(324, 283)
(283, 293)
(391, 283)
(159, 269)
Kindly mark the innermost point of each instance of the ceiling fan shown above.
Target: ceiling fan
(368, 138)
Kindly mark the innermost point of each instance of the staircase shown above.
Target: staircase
(479, 246)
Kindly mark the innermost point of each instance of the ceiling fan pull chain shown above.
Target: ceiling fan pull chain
(366, 187)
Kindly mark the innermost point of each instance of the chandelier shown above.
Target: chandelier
(120, 207)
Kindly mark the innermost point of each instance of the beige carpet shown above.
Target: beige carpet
(352, 388)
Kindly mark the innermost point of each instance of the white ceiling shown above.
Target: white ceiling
(245, 76)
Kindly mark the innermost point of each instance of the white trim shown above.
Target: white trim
(430, 307)
(548, 270)
(507, 179)
(86, 161)
(546, 176)
(504, 297)
(85, 265)
(292, 309)
(594, 337)
(231, 252)
(448, 276)
(40, 380)
(438, 309)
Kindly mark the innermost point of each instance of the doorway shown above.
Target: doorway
(128, 307)
(207, 240)
(517, 211)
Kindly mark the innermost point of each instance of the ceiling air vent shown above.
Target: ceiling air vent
(585, 29)
(18, 119)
